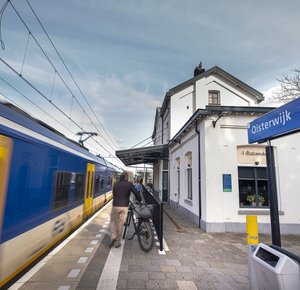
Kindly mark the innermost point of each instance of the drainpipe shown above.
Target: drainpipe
(199, 170)
(162, 130)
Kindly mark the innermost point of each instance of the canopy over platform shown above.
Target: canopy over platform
(146, 155)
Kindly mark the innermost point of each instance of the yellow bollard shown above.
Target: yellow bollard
(252, 241)
(252, 230)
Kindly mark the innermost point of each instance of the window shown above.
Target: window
(214, 98)
(189, 175)
(253, 187)
(97, 184)
(61, 189)
(102, 182)
(108, 180)
(189, 182)
(178, 176)
(79, 186)
(165, 181)
(165, 164)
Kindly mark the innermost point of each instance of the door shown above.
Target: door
(5, 153)
(89, 188)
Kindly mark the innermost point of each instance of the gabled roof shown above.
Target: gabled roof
(214, 70)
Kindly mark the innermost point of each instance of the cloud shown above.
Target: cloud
(126, 56)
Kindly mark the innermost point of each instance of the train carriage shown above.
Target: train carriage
(48, 186)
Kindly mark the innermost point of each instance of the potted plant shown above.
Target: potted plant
(252, 199)
(261, 200)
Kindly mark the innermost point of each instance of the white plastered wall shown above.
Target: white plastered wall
(229, 95)
(180, 151)
(184, 103)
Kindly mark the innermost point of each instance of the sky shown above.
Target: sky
(125, 55)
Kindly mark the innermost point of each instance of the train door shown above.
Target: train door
(5, 153)
(89, 188)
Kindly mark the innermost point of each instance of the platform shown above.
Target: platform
(192, 259)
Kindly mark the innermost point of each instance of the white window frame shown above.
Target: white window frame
(214, 98)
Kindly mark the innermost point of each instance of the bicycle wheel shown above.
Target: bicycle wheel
(145, 235)
(126, 224)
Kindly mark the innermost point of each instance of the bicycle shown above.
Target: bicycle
(140, 214)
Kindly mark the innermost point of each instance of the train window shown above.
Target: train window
(102, 182)
(108, 180)
(88, 184)
(79, 186)
(91, 185)
(61, 190)
(97, 184)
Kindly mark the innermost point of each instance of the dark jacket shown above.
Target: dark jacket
(121, 193)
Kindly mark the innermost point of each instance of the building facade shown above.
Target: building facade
(213, 175)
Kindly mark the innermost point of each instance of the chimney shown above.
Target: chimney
(199, 70)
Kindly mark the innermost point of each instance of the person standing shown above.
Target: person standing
(139, 185)
(121, 193)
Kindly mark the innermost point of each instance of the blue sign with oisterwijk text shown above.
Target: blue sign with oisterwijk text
(281, 121)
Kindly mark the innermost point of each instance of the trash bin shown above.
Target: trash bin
(274, 269)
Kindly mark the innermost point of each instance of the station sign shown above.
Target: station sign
(281, 121)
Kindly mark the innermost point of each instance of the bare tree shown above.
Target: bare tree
(290, 88)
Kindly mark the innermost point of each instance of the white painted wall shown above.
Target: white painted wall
(219, 156)
(230, 95)
(287, 155)
(183, 104)
(180, 151)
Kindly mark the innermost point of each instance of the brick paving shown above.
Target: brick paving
(195, 260)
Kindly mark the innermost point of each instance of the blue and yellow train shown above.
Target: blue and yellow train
(48, 186)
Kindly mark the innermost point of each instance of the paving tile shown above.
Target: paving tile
(173, 262)
(121, 284)
(189, 276)
(240, 279)
(223, 286)
(136, 284)
(224, 278)
(201, 264)
(205, 285)
(195, 260)
(183, 269)
(158, 261)
(152, 284)
(166, 268)
(175, 276)
(157, 275)
(139, 276)
(151, 268)
(230, 272)
(186, 285)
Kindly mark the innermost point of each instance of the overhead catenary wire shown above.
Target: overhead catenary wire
(56, 74)
(1, 16)
(39, 107)
(75, 82)
(56, 71)
(41, 94)
(155, 139)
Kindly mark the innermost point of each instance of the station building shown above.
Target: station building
(203, 165)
